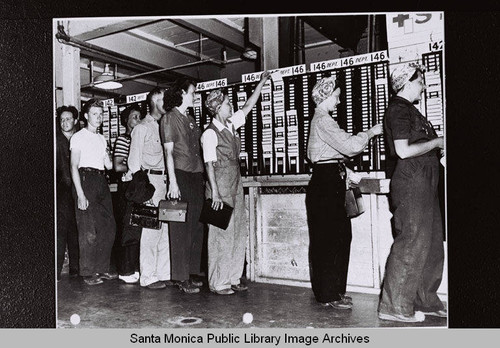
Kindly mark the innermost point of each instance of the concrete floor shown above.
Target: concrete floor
(116, 304)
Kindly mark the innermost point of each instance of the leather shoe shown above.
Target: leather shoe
(169, 282)
(196, 283)
(129, 279)
(156, 285)
(415, 318)
(226, 291)
(340, 304)
(442, 313)
(346, 298)
(108, 276)
(187, 287)
(93, 280)
(239, 287)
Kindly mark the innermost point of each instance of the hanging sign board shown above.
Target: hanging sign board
(136, 98)
(108, 102)
(288, 71)
(202, 86)
(410, 35)
(404, 29)
(361, 59)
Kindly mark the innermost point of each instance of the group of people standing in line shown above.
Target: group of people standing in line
(166, 145)
(415, 264)
(169, 146)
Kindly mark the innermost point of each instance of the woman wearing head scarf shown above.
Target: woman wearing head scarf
(328, 148)
(221, 152)
(415, 265)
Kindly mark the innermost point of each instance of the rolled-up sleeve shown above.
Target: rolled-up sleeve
(399, 121)
(136, 146)
(209, 144)
(168, 129)
(335, 137)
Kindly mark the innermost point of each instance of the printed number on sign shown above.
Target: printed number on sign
(436, 46)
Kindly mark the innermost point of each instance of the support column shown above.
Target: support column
(66, 75)
(270, 46)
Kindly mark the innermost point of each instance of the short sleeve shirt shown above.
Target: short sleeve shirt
(92, 148)
(122, 147)
(404, 121)
(209, 138)
(183, 131)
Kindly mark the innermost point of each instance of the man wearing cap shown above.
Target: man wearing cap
(146, 153)
(330, 231)
(415, 265)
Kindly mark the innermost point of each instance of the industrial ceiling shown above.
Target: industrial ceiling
(150, 51)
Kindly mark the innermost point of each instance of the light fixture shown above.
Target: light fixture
(250, 52)
(105, 80)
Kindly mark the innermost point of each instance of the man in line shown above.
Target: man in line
(146, 153)
(67, 235)
(94, 213)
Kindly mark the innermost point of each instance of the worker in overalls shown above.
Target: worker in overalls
(221, 152)
(415, 265)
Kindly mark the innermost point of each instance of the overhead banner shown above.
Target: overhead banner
(288, 71)
(361, 59)
(203, 86)
(136, 98)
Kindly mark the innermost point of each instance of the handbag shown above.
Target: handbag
(353, 202)
(219, 218)
(172, 210)
(144, 216)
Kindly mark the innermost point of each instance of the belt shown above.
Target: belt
(91, 170)
(330, 161)
(156, 172)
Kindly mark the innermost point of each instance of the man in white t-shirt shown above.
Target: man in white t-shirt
(94, 211)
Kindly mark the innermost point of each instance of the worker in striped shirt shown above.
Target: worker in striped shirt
(128, 246)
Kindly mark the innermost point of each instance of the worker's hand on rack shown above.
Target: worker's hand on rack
(375, 130)
(265, 76)
(440, 142)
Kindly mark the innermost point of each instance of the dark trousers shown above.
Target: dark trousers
(125, 253)
(67, 234)
(96, 224)
(415, 264)
(329, 233)
(186, 238)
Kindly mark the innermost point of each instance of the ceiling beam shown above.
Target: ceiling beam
(93, 29)
(170, 45)
(215, 30)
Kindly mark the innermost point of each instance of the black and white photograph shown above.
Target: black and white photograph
(227, 174)
(322, 134)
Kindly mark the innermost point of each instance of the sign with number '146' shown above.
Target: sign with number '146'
(203, 86)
